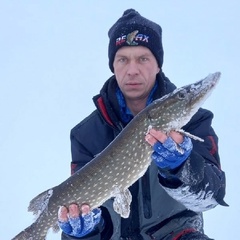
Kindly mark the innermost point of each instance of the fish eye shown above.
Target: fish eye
(181, 94)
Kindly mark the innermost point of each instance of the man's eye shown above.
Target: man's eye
(122, 59)
(143, 59)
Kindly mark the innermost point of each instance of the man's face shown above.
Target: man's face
(135, 68)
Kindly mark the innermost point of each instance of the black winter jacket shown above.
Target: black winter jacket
(170, 205)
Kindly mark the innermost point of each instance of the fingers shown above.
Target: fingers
(176, 136)
(73, 211)
(78, 221)
(63, 214)
(85, 209)
(154, 136)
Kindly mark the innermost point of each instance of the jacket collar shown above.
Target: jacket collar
(107, 101)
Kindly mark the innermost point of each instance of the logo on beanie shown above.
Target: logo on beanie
(132, 39)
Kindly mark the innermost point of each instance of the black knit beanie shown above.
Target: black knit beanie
(134, 30)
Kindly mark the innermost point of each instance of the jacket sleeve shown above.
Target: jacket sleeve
(199, 183)
(88, 139)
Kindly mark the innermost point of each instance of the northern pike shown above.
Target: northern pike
(121, 163)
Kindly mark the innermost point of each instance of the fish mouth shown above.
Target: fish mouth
(201, 90)
(211, 80)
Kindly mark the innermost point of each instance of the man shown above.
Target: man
(168, 200)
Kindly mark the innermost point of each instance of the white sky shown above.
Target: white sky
(53, 59)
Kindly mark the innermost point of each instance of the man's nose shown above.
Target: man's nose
(133, 68)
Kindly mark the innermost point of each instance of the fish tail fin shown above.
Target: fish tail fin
(38, 204)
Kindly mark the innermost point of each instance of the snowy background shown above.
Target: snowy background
(53, 59)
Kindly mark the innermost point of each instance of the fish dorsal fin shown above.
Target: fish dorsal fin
(40, 202)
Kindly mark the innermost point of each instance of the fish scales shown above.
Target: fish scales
(121, 163)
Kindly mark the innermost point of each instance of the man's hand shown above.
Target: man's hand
(170, 151)
(154, 136)
(78, 222)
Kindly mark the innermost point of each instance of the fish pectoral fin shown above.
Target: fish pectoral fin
(122, 201)
(189, 135)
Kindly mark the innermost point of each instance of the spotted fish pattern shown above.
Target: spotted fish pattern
(121, 163)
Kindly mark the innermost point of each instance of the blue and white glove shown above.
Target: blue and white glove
(82, 225)
(170, 155)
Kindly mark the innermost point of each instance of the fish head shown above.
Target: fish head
(174, 110)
